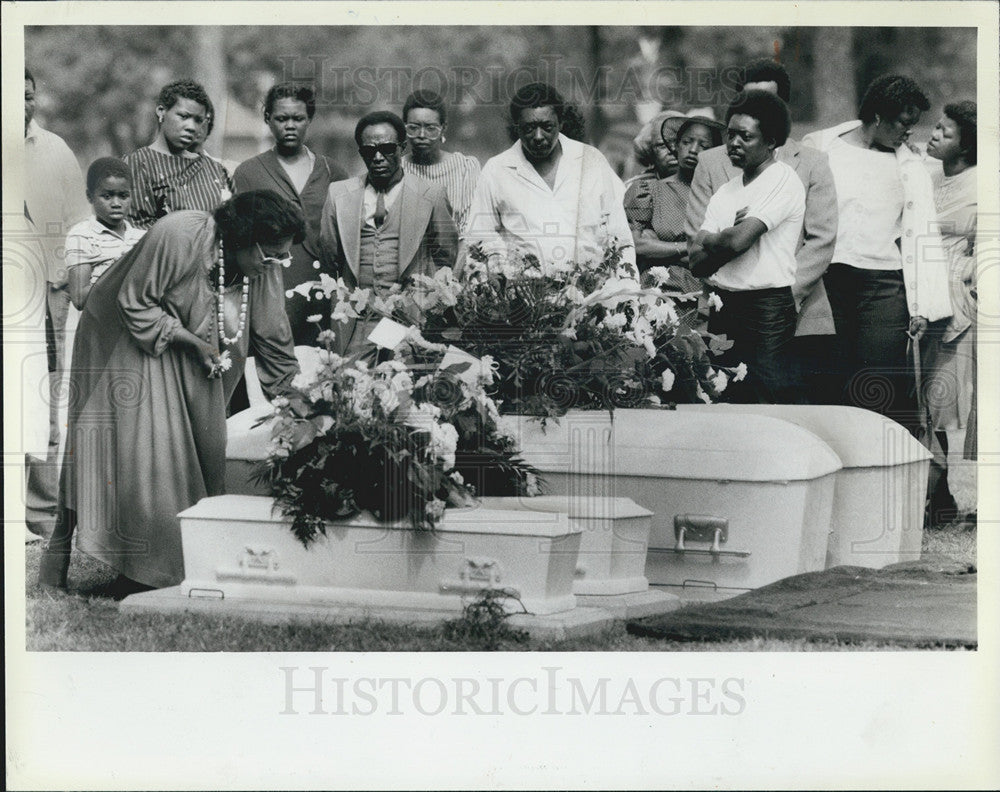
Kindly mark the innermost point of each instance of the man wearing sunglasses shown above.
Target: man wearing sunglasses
(548, 195)
(387, 226)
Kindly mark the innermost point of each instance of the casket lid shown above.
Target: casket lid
(861, 438)
(718, 445)
(578, 507)
(475, 519)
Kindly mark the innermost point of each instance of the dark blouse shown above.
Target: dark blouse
(265, 172)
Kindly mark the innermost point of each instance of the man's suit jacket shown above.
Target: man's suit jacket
(428, 238)
(819, 230)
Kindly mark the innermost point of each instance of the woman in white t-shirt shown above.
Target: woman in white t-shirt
(746, 250)
(889, 275)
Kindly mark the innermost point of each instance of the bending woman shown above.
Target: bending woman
(888, 278)
(162, 339)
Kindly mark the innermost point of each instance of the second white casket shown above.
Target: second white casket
(739, 500)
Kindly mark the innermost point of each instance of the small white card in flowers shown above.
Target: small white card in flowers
(456, 356)
(388, 334)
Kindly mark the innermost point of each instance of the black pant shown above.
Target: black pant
(761, 324)
(814, 357)
(872, 319)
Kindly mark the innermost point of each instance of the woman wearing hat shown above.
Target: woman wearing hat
(656, 206)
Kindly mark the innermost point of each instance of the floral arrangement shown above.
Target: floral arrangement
(400, 438)
(586, 335)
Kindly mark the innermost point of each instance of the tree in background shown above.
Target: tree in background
(97, 85)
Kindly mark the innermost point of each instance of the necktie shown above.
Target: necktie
(380, 210)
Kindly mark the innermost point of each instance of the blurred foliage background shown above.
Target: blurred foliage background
(97, 85)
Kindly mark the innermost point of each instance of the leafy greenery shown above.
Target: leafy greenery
(483, 624)
(350, 438)
(586, 335)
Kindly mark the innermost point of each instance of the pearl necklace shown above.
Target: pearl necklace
(221, 303)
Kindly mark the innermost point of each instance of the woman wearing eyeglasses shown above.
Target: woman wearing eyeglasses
(426, 120)
(301, 177)
(162, 340)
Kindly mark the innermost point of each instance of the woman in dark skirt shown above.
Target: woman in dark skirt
(889, 276)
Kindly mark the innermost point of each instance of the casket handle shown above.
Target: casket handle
(704, 528)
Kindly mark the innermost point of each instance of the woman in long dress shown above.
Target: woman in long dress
(163, 337)
(303, 177)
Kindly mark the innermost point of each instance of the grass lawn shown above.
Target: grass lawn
(89, 620)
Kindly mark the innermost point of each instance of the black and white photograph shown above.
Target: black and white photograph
(392, 386)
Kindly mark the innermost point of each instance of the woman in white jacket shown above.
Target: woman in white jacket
(889, 276)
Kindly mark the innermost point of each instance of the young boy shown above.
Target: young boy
(746, 250)
(93, 245)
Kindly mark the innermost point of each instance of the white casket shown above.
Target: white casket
(613, 540)
(236, 547)
(878, 500)
(739, 500)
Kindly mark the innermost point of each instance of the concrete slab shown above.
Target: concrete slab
(635, 605)
(576, 623)
(913, 603)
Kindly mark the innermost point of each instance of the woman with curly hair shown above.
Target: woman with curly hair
(166, 175)
(888, 278)
(950, 356)
(745, 250)
(163, 336)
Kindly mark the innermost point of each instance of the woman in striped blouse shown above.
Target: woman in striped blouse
(426, 120)
(166, 176)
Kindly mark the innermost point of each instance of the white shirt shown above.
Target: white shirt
(54, 195)
(91, 242)
(776, 198)
(869, 204)
(371, 200)
(515, 209)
